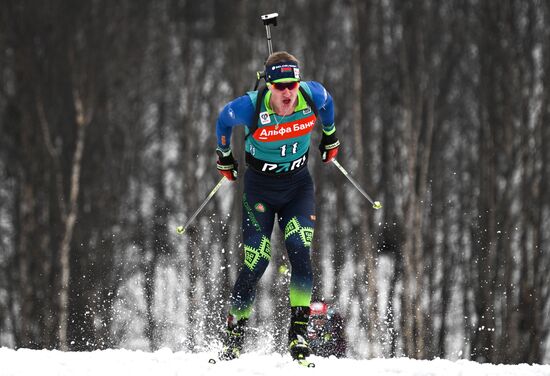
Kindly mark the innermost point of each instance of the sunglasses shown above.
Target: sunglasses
(281, 86)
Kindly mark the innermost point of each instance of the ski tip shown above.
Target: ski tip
(377, 205)
(305, 363)
(212, 361)
(180, 230)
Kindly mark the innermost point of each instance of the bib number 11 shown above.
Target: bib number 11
(293, 149)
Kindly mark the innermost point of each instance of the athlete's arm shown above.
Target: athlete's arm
(329, 142)
(240, 111)
(323, 100)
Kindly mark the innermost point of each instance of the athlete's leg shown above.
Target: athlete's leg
(297, 220)
(258, 219)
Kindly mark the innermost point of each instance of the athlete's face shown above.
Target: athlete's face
(283, 97)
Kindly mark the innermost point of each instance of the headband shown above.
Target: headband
(283, 71)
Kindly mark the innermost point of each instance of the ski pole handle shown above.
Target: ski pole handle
(181, 229)
(375, 204)
(269, 19)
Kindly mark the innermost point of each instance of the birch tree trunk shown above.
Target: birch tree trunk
(367, 264)
(83, 118)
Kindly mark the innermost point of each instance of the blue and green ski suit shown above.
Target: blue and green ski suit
(276, 183)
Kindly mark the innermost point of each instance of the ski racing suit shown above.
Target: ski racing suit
(277, 183)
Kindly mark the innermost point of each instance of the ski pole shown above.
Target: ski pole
(375, 204)
(268, 19)
(181, 229)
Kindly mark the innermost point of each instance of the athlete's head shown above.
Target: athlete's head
(282, 67)
(282, 73)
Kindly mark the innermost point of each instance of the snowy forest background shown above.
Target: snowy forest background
(107, 138)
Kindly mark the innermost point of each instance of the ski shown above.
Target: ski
(301, 361)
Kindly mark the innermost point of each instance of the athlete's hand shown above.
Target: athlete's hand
(227, 165)
(329, 147)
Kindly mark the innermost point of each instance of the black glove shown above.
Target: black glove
(227, 165)
(329, 147)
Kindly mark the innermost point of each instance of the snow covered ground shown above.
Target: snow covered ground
(25, 362)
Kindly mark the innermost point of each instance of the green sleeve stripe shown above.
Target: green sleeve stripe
(329, 129)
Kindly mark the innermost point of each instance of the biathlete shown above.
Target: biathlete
(278, 123)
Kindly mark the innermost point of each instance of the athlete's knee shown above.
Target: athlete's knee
(298, 234)
(257, 253)
(296, 247)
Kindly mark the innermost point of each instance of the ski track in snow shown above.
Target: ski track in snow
(25, 362)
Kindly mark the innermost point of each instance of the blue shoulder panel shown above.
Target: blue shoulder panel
(239, 111)
(323, 101)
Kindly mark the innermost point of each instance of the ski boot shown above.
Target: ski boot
(297, 334)
(233, 339)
